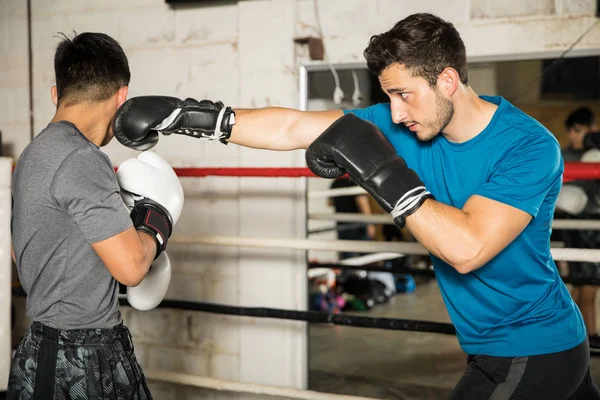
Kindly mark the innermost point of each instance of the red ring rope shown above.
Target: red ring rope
(252, 172)
(581, 171)
(573, 171)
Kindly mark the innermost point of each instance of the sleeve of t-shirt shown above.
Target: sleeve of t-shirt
(85, 186)
(526, 174)
(378, 114)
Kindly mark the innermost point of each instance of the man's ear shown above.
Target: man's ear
(54, 94)
(122, 95)
(448, 81)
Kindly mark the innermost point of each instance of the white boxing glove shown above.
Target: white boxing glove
(572, 199)
(152, 290)
(591, 156)
(154, 195)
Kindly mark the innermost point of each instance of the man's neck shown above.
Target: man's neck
(91, 120)
(471, 116)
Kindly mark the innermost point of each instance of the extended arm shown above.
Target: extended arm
(140, 120)
(280, 128)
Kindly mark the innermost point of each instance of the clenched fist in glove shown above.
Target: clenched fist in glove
(139, 120)
(153, 194)
(358, 147)
(153, 288)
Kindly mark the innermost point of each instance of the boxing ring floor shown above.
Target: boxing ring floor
(395, 365)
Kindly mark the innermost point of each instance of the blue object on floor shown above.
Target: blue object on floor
(405, 283)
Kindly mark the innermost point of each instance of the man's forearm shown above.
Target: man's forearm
(263, 128)
(447, 233)
(276, 128)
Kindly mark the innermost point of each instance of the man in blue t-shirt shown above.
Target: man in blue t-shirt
(473, 178)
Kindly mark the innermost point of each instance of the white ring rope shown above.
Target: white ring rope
(324, 194)
(358, 261)
(338, 192)
(242, 387)
(386, 219)
(358, 246)
(370, 259)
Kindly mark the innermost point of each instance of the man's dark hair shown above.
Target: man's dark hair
(89, 67)
(580, 116)
(424, 43)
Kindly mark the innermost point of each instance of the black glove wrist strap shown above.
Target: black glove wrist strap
(212, 121)
(153, 219)
(412, 204)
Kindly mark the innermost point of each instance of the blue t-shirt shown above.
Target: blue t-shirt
(517, 303)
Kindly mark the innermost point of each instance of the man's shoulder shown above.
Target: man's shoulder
(85, 158)
(527, 127)
(379, 114)
(58, 140)
(48, 150)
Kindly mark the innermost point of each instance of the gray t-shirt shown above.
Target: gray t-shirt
(66, 197)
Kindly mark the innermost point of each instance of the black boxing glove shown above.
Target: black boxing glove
(139, 120)
(591, 140)
(358, 147)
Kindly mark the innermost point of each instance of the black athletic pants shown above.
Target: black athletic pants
(555, 376)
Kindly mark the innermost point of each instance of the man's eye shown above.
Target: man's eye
(404, 95)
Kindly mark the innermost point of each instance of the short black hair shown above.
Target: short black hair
(580, 116)
(89, 67)
(423, 42)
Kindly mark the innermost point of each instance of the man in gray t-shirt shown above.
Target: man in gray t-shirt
(74, 238)
(66, 196)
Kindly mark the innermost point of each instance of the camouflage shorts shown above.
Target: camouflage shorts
(88, 364)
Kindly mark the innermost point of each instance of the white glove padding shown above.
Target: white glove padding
(150, 176)
(153, 193)
(592, 155)
(152, 290)
(572, 199)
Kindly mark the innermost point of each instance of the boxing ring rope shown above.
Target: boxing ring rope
(239, 172)
(385, 219)
(322, 267)
(560, 254)
(573, 171)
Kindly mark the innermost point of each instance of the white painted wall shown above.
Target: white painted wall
(5, 270)
(243, 54)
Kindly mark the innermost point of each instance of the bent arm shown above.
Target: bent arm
(467, 239)
(276, 128)
(127, 256)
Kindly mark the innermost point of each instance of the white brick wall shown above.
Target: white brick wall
(243, 54)
(511, 8)
(14, 87)
(270, 207)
